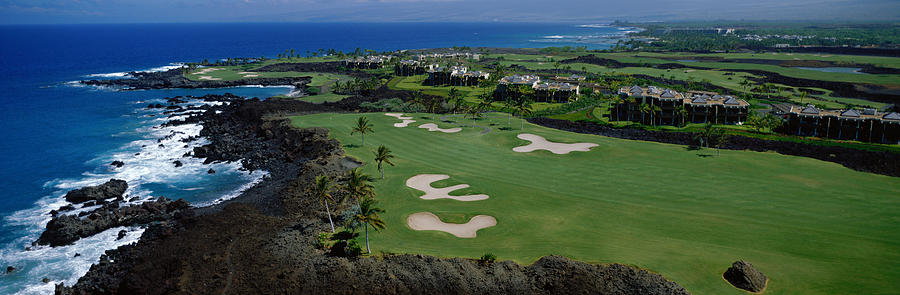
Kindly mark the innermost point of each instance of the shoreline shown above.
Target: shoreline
(273, 221)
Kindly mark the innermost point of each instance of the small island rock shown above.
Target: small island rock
(111, 189)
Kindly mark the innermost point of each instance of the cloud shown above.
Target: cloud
(100, 11)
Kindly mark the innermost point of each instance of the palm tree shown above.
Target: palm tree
(434, 105)
(615, 101)
(745, 84)
(417, 99)
(653, 110)
(682, 113)
(522, 107)
(645, 108)
(368, 215)
(383, 155)
(362, 126)
(802, 94)
(322, 191)
(510, 105)
(455, 98)
(474, 112)
(359, 185)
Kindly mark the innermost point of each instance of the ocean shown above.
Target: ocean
(58, 135)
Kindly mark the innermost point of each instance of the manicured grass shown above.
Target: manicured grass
(325, 97)
(811, 226)
(654, 58)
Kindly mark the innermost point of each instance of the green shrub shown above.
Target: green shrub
(322, 241)
(353, 249)
(488, 258)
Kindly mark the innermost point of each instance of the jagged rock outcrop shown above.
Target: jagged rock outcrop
(113, 188)
(66, 229)
(175, 79)
(743, 275)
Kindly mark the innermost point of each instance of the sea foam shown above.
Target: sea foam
(149, 161)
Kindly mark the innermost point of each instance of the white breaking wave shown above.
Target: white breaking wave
(149, 160)
(554, 37)
(598, 26)
(171, 66)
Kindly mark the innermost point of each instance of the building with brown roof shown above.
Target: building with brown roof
(699, 107)
(861, 125)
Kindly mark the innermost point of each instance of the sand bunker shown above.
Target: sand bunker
(429, 221)
(206, 70)
(251, 76)
(434, 127)
(209, 78)
(406, 120)
(539, 143)
(423, 182)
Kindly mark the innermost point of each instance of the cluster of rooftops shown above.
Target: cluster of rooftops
(850, 114)
(466, 55)
(691, 97)
(370, 59)
(557, 83)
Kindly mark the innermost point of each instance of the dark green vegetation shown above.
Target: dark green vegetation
(706, 36)
(810, 226)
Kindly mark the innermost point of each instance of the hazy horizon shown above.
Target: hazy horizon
(570, 11)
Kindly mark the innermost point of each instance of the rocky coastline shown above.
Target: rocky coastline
(262, 240)
(174, 79)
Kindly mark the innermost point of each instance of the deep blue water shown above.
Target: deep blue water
(57, 136)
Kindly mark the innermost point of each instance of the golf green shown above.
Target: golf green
(812, 227)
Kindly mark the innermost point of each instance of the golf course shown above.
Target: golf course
(811, 226)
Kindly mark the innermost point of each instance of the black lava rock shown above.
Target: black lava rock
(743, 275)
(178, 163)
(111, 189)
(210, 171)
(10, 269)
(117, 164)
(66, 229)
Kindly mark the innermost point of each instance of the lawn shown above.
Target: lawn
(811, 226)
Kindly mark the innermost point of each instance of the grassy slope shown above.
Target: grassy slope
(811, 226)
(716, 77)
(470, 94)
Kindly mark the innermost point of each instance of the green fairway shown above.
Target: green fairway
(811, 226)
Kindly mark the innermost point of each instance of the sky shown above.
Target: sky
(179, 11)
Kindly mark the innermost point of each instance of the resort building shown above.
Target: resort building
(454, 76)
(861, 125)
(440, 56)
(367, 62)
(409, 68)
(555, 91)
(544, 91)
(697, 106)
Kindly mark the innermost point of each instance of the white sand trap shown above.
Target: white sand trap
(434, 127)
(209, 78)
(206, 70)
(539, 143)
(429, 221)
(423, 182)
(251, 76)
(406, 120)
(244, 73)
